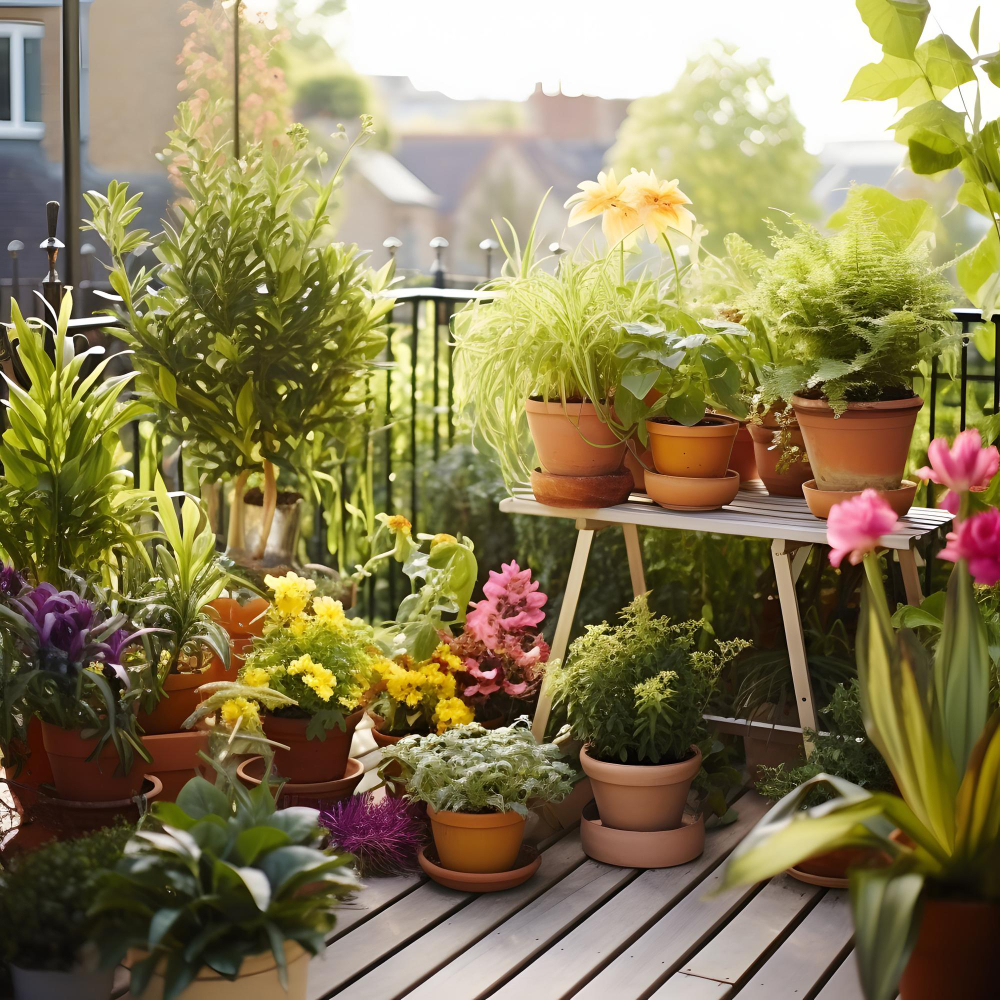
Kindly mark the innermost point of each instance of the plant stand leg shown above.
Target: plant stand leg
(782, 554)
(560, 641)
(634, 552)
(911, 576)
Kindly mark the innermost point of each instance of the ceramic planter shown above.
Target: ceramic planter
(641, 797)
(865, 447)
(280, 550)
(767, 456)
(701, 451)
(310, 761)
(956, 953)
(743, 460)
(641, 849)
(175, 759)
(97, 780)
(572, 440)
(180, 699)
(831, 867)
(477, 842)
(243, 622)
(36, 770)
(258, 980)
(316, 795)
(41, 984)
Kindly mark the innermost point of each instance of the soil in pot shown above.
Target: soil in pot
(310, 761)
(641, 797)
(865, 447)
(703, 450)
(787, 483)
(477, 842)
(572, 440)
(97, 780)
(175, 759)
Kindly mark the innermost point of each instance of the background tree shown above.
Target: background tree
(732, 140)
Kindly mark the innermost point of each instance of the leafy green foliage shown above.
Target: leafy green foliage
(471, 769)
(636, 692)
(45, 896)
(215, 878)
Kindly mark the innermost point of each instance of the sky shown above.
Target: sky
(632, 48)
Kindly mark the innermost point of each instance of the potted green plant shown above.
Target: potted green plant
(44, 926)
(477, 785)
(220, 896)
(255, 331)
(634, 695)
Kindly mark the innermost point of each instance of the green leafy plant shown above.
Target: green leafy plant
(636, 692)
(471, 769)
(215, 878)
(67, 508)
(45, 896)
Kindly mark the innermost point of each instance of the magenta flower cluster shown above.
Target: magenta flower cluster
(384, 836)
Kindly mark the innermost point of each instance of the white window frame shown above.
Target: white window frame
(17, 127)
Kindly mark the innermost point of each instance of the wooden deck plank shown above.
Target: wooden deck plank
(844, 984)
(400, 972)
(377, 894)
(590, 945)
(681, 987)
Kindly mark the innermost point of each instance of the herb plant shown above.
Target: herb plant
(471, 769)
(636, 692)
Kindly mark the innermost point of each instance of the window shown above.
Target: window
(21, 80)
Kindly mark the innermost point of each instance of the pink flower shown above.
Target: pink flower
(966, 466)
(855, 527)
(977, 541)
(512, 605)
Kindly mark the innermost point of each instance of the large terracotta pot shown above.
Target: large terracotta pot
(97, 780)
(781, 484)
(180, 699)
(310, 761)
(866, 446)
(243, 622)
(43, 984)
(175, 759)
(702, 451)
(258, 979)
(36, 769)
(641, 797)
(572, 440)
(956, 954)
(477, 842)
(743, 459)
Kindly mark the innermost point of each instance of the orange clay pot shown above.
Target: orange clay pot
(243, 622)
(641, 797)
(310, 761)
(701, 451)
(743, 459)
(779, 484)
(180, 699)
(866, 446)
(175, 759)
(477, 842)
(572, 440)
(97, 780)
(36, 770)
(395, 787)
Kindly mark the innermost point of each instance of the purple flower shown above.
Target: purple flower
(383, 836)
(11, 582)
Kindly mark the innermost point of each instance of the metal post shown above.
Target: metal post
(72, 143)
(489, 246)
(439, 244)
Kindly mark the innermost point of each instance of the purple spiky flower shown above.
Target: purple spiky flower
(11, 582)
(384, 835)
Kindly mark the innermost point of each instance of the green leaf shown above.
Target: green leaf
(687, 408)
(161, 923)
(974, 30)
(895, 24)
(199, 798)
(945, 63)
(935, 117)
(931, 153)
(992, 68)
(892, 77)
(905, 221)
(978, 272)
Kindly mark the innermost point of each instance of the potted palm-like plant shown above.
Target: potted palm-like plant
(255, 331)
(928, 919)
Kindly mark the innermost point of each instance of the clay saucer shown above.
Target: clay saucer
(528, 860)
(251, 773)
(589, 492)
(632, 849)
(821, 501)
(691, 492)
(827, 881)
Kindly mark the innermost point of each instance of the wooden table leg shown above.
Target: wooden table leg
(564, 627)
(634, 551)
(911, 576)
(782, 553)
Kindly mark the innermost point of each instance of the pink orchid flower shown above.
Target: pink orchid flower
(855, 527)
(966, 466)
(977, 541)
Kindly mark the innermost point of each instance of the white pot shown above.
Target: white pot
(42, 984)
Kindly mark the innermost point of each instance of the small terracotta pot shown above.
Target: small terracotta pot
(394, 788)
(641, 797)
(315, 795)
(243, 622)
(636, 461)
(694, 492)
(743, 459)
(310, 761)
(956, 953)
(572, 440)
(477, 842)
(97, 780)
(865, 447)
(175, 759)
(779, 484)
(821, 502)
(180, 699)
(701, 451)
(641, 848)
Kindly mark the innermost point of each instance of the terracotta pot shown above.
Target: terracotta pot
(36, 769)
(310, 761)
(315, 795)
(636, 461)
(701, 451)
(834, 865)
(97, 780)
(956, 953)
(243, 622)
(771, 749)
(257, 980)
(641, 797)
(866, 446)
(641, 848)
(821, 502)
(743, 459)
(180, 699)
(394, 788)
(779, 484)
(43, 984)
(175, 759)
(525, 865)
(693, 493)
(581, 491)
(477, 842)
(572, 440)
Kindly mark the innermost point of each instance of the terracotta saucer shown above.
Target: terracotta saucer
(251, 773)
(631, 849)
(526, 865)
(824, 880)
(692, 492)
(821, 501)
(581, 491)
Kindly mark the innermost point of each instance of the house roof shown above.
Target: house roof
(392, 180)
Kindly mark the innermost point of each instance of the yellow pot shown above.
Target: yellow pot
(477, 842)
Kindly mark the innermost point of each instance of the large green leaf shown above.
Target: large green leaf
(200, 798)
(978, 272)
(905, 221)
(946, 64)
(892, 77)
(895, 24)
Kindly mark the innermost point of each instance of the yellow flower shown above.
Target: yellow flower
(452, 712)
(298, 625)
(659, 204)
(446, 657)
(291, 593)
(240, 709)
(606, 197)
(443, 539)
(398, 524)
(256, 677)
(329, 612)
(314, 676)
